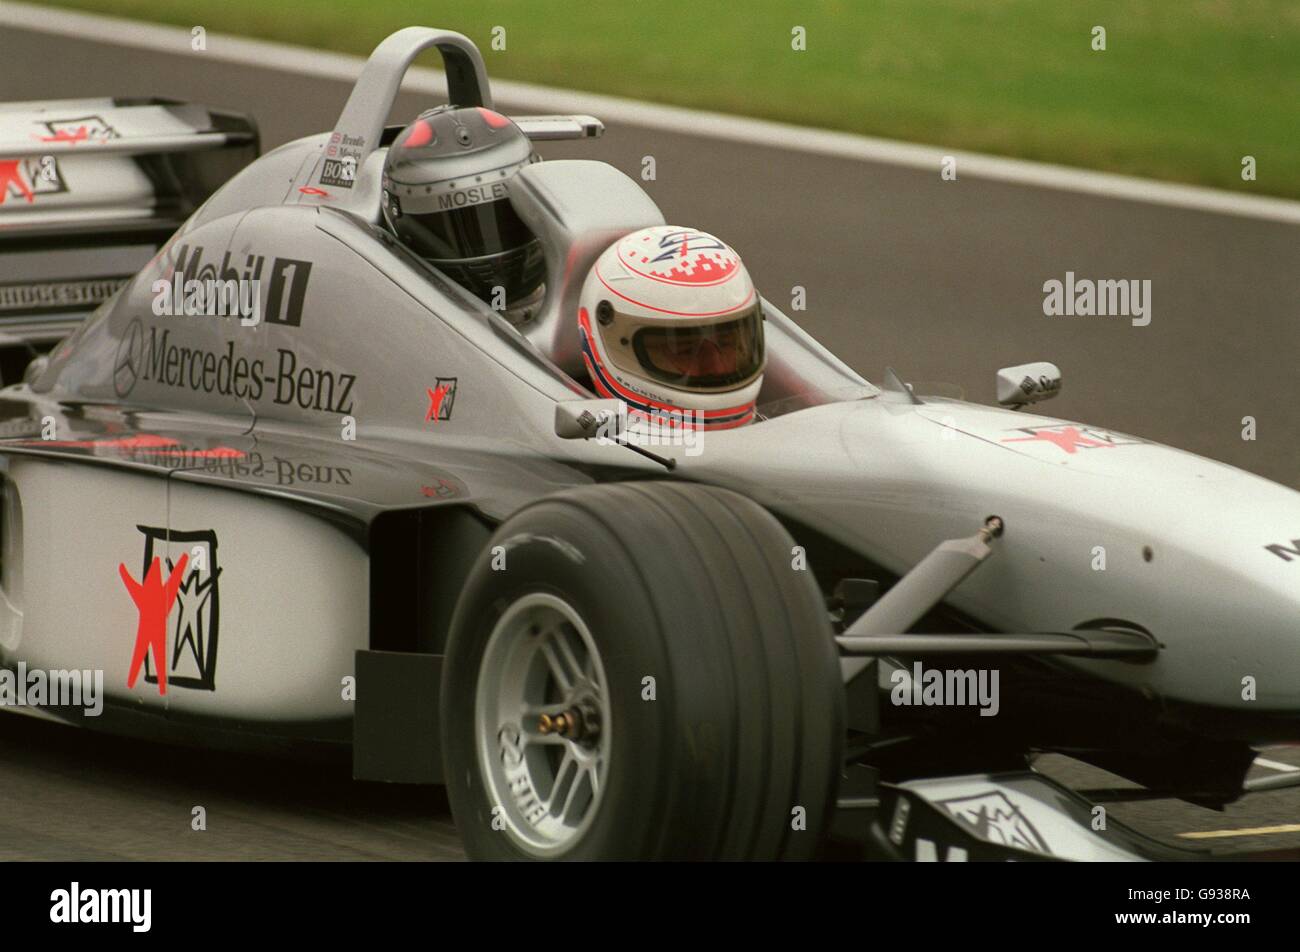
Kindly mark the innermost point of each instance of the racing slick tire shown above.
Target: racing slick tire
(637, 671)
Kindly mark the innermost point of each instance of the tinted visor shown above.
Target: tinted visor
(703, 356)
(470, 232)
(481, 246)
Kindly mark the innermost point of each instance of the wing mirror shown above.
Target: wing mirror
(36, 368)
(1028, 383)
(586, 419)
(603, 420)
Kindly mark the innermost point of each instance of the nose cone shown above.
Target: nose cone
(1203, 555)
(1099, 525)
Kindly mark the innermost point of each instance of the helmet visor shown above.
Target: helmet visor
(468, 232)
(481, 247)
(703, 356)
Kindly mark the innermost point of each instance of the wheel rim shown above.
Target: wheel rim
(542, 724)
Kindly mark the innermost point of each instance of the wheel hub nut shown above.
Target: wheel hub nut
(577, 723)
(566, 724)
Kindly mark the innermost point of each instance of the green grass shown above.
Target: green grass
(1185, 89)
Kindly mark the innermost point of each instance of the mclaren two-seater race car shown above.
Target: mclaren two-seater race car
(385, 517)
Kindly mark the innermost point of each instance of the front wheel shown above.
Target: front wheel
(637, 671)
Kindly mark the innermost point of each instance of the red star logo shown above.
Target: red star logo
(154, 599)
(11, 175)
(435, 400)
(1068, 438)
(80, 134)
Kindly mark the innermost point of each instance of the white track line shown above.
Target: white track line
(1249, 831)
(843, 145)
(1275, 765)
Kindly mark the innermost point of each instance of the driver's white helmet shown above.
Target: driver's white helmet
(671, 324)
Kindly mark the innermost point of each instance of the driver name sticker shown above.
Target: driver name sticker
(474, 195)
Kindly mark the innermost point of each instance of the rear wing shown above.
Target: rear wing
(90, 189)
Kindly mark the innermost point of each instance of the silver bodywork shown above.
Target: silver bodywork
(330, 426)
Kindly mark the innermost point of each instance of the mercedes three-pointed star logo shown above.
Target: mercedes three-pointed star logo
(130, 357)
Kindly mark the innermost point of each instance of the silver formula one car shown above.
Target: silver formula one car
(383, 515)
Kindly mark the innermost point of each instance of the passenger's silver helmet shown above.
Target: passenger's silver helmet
(446, 198)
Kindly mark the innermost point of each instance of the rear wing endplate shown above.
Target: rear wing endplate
(90, 189)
